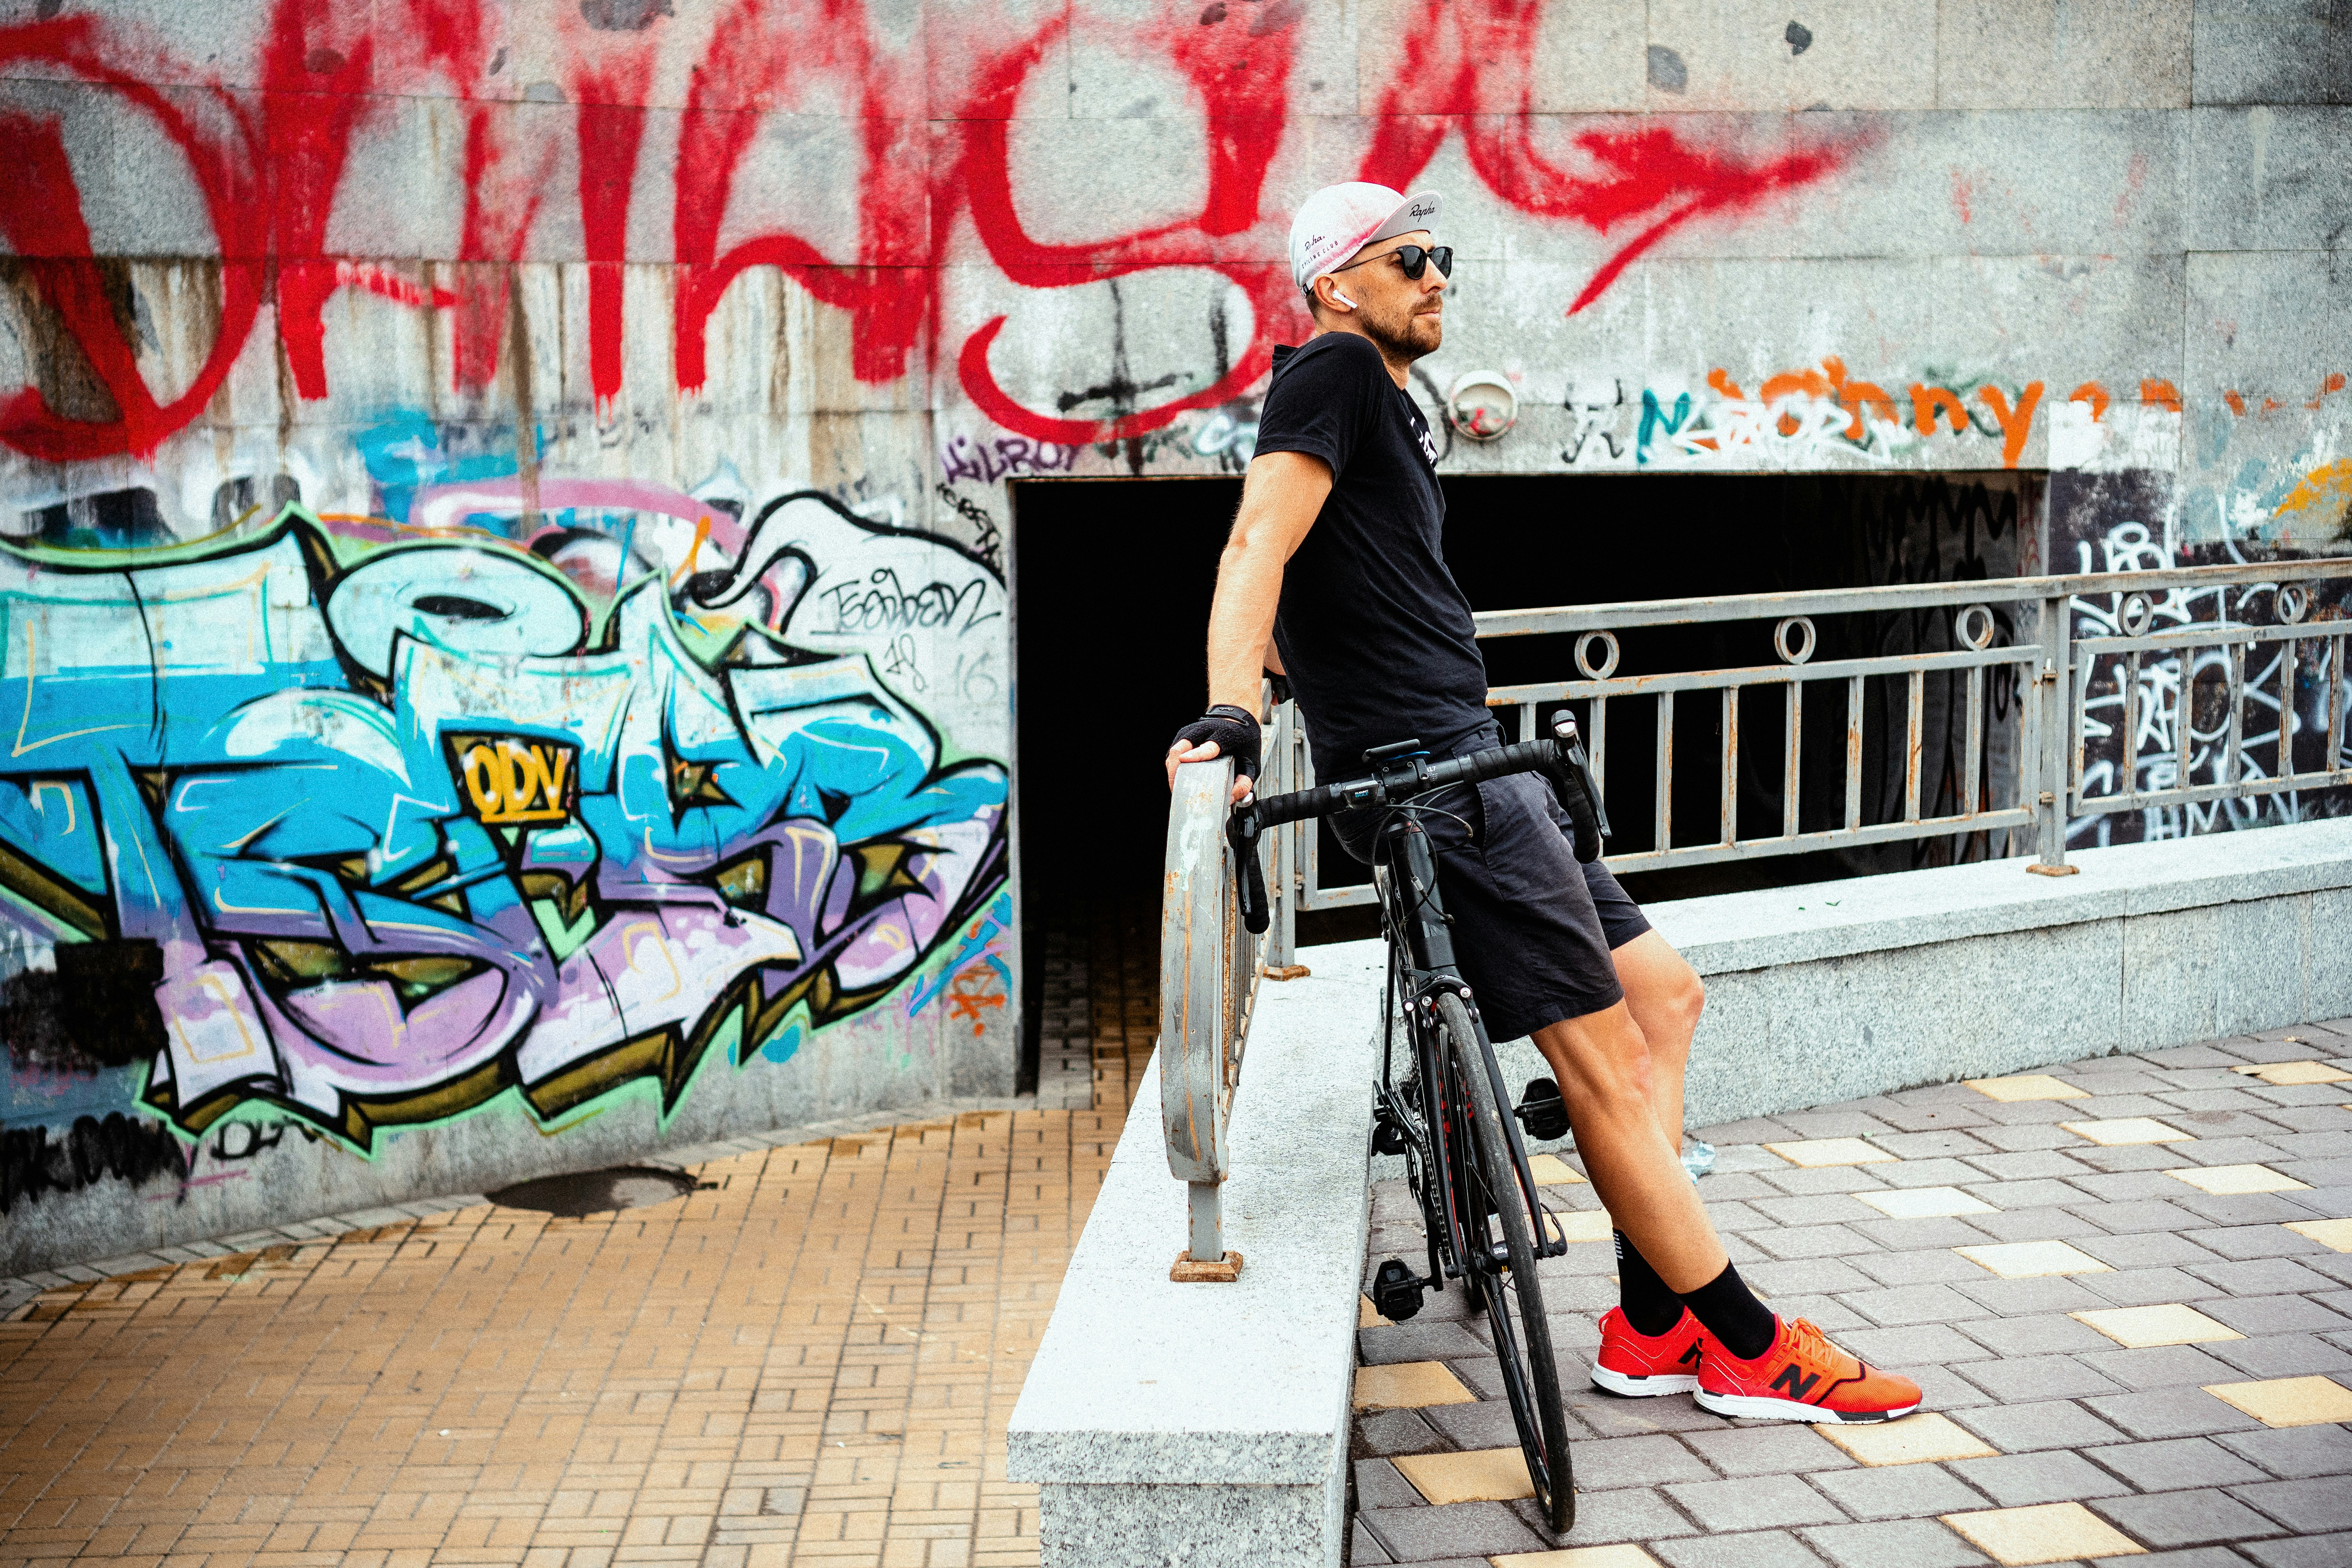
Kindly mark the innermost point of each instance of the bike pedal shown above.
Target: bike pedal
(1541, 1110)
(1396, 1290)
(1387, 1138)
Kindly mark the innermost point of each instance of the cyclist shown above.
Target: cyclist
(1333, 576)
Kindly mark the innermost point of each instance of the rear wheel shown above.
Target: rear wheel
(1497, 1221)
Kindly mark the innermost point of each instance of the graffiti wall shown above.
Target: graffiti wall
(505, 504)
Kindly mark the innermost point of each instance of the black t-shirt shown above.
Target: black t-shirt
(1377, 639)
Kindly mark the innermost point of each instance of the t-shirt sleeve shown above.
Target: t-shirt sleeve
(1318, 404)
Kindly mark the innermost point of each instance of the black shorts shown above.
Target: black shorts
(1533, 930)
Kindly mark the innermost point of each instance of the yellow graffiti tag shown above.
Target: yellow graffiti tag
(2326, 490)
(510, 781)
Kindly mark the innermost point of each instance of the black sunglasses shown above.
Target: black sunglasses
(1413, 259)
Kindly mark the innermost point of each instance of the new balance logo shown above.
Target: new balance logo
(1789, 1384)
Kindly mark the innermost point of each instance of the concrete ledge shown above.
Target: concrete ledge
(1168, 1423)
(1839, 990)
(1912, 908)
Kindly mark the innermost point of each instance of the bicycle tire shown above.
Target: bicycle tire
(1529, 1371)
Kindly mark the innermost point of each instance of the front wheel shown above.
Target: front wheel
(1514, 1295)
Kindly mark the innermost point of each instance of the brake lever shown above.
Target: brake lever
(1249, 883)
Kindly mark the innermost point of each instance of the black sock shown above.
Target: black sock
(1649, 1306)
(1733, 1314)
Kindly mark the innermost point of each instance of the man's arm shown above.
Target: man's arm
(1280, 500)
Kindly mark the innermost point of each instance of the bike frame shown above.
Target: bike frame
(1436, 1131)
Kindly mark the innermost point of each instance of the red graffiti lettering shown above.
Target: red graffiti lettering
(1472, 68)
(933, 141)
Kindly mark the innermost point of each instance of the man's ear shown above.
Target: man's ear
(1334, 300)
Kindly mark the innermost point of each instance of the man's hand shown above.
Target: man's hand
(1222, 732)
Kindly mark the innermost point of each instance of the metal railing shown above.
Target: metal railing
(1210, 968)
(2035, 702)
(2032, 707)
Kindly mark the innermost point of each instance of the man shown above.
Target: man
(1334, 556)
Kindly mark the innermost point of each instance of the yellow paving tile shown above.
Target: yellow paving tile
(1481, 1475)
(2027, 1086)
(1925, 1203)
(1551, 1170)
(2128, 1130)
(1625, 1554)
(2050, 1532)
(2333, 1234)
(2137, 1328)
(1922, 1439)
(1591, 1224)
(1409, 1385)
(2285, 1075)
(2032, 1259)
(2223, 1180)
(1369, 1316)
(2288, 1400)
(1813, 1153)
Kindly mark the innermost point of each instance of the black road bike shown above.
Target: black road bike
(1451, 1118)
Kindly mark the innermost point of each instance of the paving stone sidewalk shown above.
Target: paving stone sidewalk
(2121, 1282)
(810, 1359)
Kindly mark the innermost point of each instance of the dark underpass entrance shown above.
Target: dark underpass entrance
(1112, 580)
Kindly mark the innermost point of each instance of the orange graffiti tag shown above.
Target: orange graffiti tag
(1928, 402)
(2091, 392)
(1788, 384)
(2015, 425)
(2163, 394)
(1854, 396)
(969, 995)
(2334, 383)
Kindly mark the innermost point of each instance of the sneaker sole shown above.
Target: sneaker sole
(1763, 1407)
(1627, 1386)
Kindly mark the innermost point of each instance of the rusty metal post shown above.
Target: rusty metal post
(2054, 707)
(1206, 1232)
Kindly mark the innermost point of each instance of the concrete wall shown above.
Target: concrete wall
(645, 379)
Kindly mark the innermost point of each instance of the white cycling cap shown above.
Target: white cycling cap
(1337, 221)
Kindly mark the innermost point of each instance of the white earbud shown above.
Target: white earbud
(1343, 298)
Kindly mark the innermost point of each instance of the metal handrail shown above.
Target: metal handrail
(1210, 969)
(1631, 613)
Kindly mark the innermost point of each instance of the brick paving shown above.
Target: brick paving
(2125, 1285)
(810, 1359)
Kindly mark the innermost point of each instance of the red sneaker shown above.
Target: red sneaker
(1803, 1377)
(1640, 1365)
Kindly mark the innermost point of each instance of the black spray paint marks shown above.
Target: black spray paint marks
(1667, 72)
(96, 1010)
(1799, 37)
(623, 16)
(112, 520)
(46, 10)
(91, 1151)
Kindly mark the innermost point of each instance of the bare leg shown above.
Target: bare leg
(1665, 996)
(1603, 1061)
